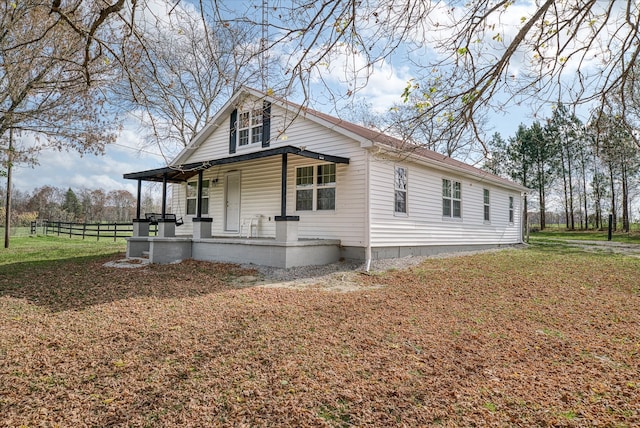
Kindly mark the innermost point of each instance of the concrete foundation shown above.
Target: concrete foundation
(268, 252)
(271, 252)
(381, 253)
(169, 250)
(137, 246)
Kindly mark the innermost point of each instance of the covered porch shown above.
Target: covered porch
(285, 249)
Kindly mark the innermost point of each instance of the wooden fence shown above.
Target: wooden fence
(87, 230)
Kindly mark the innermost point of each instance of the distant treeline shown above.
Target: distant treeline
(81, 205)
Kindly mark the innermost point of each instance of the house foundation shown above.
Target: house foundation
(258, 251)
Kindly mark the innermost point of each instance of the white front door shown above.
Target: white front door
(232, 202)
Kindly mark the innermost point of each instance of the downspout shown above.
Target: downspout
(367, 226)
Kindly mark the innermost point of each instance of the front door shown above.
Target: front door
(232, 202)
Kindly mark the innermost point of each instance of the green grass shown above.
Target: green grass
(588, 235)
(48, 248)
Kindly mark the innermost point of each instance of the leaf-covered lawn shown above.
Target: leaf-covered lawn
(532, 337)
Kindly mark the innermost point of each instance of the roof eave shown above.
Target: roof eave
(479, 174)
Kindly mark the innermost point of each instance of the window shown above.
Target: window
(451, 198)
(510, 209)
(249, 127)
(400, 187)
(192, 197)
(487, 206)
(316, 188)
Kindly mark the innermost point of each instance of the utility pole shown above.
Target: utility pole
(264, 43)
(7, 217)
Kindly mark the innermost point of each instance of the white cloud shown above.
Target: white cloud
(69, 169)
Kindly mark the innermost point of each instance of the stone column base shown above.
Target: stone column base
(140, 227)
(166, 228)
(202, 228)
(287, 228)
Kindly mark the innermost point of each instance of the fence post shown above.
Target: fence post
(58, 227)
(70, 229)
(98, 234)
(115, 231)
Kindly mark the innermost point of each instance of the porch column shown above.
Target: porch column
(140, 225)
(201, 226)
(139, 198)
(283, 187)
(164, 194)
(199, 197)
(286, 226)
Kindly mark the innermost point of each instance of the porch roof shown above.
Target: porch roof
(180, 173)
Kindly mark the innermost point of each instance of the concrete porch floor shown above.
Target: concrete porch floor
(259, 251)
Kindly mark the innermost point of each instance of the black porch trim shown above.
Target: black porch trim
(181, 173)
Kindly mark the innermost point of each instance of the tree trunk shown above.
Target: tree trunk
(564, 182)
(614, 222)
(625, 199)
(7, 220)
(569, 173)
(584, 190)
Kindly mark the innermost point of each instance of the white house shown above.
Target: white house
(270, 182)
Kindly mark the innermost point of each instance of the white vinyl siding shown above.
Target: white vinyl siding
(424, 227)
(261, 181)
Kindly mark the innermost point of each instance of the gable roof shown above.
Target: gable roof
(365, 136)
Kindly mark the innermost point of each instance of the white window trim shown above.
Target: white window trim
(314, 187)
(486, 205)
(404, 213)
(253, 113)
(205, 197)
(451, 198)
(511, 214)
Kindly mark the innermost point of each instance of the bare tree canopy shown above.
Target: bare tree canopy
(44, 90)
(468, 58)
(179, 67)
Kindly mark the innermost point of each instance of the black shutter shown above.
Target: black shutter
(266, 123)
(233, 131)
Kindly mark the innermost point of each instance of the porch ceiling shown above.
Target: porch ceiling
(180, 173)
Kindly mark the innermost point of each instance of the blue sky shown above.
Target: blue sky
(68, 169)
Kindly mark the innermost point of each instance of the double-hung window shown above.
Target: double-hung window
(192, 197)
(249, 127)
(487, 205)
(400, 188)
(451, 198)
(510, 209)
(316, 187)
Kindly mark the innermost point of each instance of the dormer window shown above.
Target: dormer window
(249, 127)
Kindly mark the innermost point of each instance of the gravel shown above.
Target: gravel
(341, 275)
